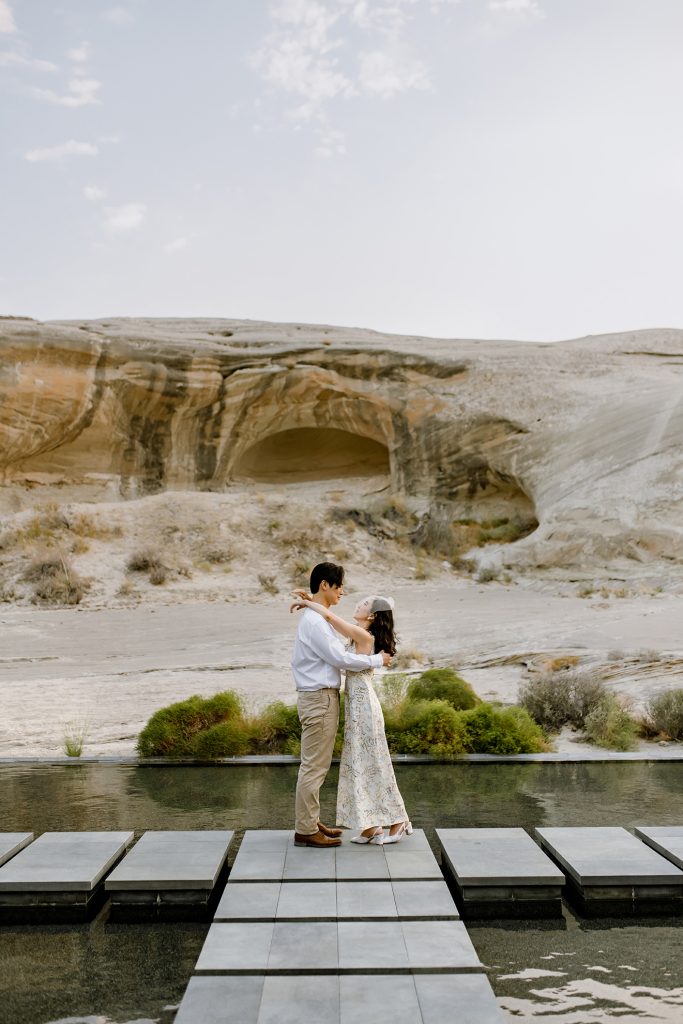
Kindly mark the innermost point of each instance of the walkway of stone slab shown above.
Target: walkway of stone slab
(343, 935)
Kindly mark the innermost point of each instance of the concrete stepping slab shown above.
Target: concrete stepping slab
(610, 871)
(500, 872)
(271, 856)
(310, 900)
(316, 901)
(349, 999)
(11, 843)
(251, 901)
(337, 947)
(59, 876)
(665, 839)
(170, 875)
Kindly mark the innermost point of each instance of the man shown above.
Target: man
(319, 656)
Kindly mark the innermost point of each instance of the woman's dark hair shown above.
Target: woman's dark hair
(382, 629)
(328, 572)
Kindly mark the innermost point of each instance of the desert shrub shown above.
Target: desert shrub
(171, 731)
(225, 739)
(490, 729)
(74, 739)
(391, 690)
(158, 575)
(610, 725)
(404, 659)
(268, 584)
(487, 574)
(54, 580)
(426, 727)
(443, 684)
(144, 561)
(665, 711)
(276, 729)
(554, 699)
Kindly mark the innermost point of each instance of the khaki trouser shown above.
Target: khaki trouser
(319, 717)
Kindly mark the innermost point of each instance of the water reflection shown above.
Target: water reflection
(571, 971)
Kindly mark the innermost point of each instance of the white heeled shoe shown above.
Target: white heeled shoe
(405, 829)
(377, 837)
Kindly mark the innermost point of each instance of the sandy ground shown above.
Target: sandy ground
(108, 669)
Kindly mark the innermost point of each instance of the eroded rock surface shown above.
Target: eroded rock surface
(584, 437)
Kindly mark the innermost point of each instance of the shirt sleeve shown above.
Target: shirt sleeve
(331, 650)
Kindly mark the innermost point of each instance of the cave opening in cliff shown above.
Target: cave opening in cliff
(312, 453)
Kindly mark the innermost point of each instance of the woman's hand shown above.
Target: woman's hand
(302, 601)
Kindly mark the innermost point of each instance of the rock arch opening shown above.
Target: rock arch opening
(312, 453)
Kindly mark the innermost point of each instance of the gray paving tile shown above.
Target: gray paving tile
(362, 862)
(665, 839)
(439, 945)
(257, 865)
(466, 998)
(365, 900)
(172, 860)
(273, 840)
(303, 946)
(414, 865)
(372, 945)
(221, 1000)
(299, 998)
(249, 900)
(390, 999)
(424, 899)
(63, 861)
(305, 863)
(408, 844)
(496, 856)
(11, 843)
(608, 856)
(231, 947)
(308, 900)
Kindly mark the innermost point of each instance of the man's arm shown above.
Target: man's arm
(331, 650)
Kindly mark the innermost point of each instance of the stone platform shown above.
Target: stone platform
(59, 876)
(342, 935)
(500, 872)
(610, 872)
(170, 876)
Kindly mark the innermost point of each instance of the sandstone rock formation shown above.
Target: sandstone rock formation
(581, 440)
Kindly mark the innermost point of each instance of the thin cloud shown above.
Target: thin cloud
(81, 93)
(93, 193)
(7, 22)
(118, 16)
(522, 8)
(386, 74)
(79, 54)
(125, 218)
(54, 154)
(18, 60)
(176, 245)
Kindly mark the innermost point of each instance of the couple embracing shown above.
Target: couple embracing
(368, 798)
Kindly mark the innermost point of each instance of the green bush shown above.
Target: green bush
(171, 731)
(225, 739)
(555, 699)
(426, 727)
(277, 729)
(443, 684)
(610, 725)
(501, 730)
(666, 713)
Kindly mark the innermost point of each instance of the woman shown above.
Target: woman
(368, 797)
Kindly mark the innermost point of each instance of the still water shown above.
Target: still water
(569, 972)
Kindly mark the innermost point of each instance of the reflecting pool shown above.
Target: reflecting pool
(571, 971)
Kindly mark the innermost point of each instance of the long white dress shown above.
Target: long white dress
(367, 794)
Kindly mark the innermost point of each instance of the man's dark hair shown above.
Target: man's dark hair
(327, 571)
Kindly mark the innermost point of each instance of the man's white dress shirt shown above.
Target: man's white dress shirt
(319, 655)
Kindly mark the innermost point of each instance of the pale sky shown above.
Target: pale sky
(456, 168)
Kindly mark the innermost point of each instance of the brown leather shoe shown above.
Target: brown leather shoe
(331, 833)
(318, 840)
